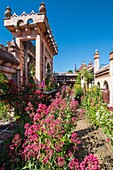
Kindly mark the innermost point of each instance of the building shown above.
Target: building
(103, 77)
(70, 78)
(65, 79)
(21, 53)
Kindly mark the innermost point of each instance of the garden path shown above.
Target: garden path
(93, 141)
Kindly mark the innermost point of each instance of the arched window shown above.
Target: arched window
(98, 84)
(106, 86)
(30, 21)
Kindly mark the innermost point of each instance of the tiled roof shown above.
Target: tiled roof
(103, 69)
(7, 57)
(83, 66)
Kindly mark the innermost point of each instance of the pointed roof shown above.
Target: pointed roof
(83, 66)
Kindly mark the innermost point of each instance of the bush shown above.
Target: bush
(98, 111)
(4, 111)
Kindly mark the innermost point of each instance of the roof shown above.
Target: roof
(103, 69)
(83, 66)
(7, 57)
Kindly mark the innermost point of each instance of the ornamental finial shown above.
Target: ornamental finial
(8, 13)
(42, 8)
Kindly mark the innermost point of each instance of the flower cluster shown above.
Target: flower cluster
(49, 139)
(90, 163)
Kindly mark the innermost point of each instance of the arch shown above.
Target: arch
(20, 22)
(48, 68)
(30, 21)
(105, 85)
(98, 84)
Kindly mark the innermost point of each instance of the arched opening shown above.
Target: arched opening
(20, 22)
(98, 84)
(106, 86)
(106, 92)
(30, 21)
(48, 69)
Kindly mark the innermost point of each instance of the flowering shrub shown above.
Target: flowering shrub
(49, 140)
(98, 112)
(18, 97)
(91, 101)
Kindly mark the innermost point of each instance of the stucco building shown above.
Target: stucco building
(103, 77)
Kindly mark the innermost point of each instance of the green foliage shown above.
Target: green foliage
(48, 85)
(88, 77)
(70, 71)
(4, 111)
(91, 100)
(78, 91)
(3, 106)
(2, 77)
(32, 69)
(98, 111)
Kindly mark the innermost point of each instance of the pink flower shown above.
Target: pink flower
(74, 135)
(45, 160)
(90, 162)
(74, 164)
(61, 161)
(70, 154)
(108, 140)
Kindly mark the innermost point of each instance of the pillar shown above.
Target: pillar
(96, 61)
(38, 60)
(111, 79)
(44, 63)
(19, 43)
(25, 64)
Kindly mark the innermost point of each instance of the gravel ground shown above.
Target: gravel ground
(93, 141)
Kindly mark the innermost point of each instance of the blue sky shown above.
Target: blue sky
(79, 27)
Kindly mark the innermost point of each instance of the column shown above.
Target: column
(25, 64)
(44, 64)
(38, 60)
(19, 43)
(52, 68)
(96, 62)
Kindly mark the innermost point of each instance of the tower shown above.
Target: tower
(96, 61)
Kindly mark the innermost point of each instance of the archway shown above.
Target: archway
(98, 84)
(48, 71)
(106, 86)
(106, 92)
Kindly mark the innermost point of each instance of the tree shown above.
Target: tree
(70, 71)
(86, 75)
